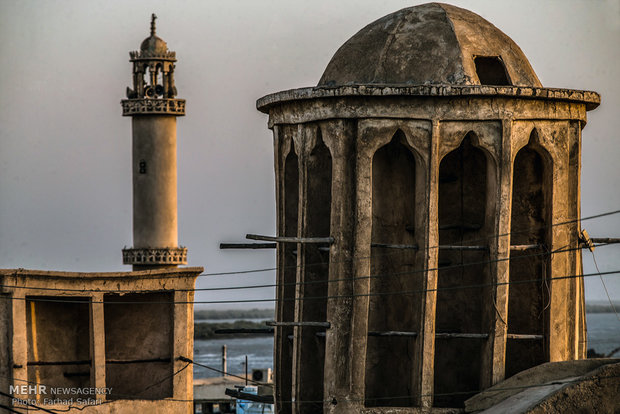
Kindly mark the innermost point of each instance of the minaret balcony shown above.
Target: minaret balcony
(155, 256)
(147, 106)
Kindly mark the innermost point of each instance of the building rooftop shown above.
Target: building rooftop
(432, 43)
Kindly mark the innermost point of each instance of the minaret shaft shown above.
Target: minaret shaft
(154, 181)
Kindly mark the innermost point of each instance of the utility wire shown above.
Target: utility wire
(604, 286)
(355, 258)
(490, 389)
(481, 239)
(189, 361)
(354, 295)
(272, 285)
(28, 403)
(81, 408)
(10, 410)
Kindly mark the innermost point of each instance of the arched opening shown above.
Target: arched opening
(461, 324)
(528, 295)
(315, 266)
(393, 317)
(491, 70)
(287, 305)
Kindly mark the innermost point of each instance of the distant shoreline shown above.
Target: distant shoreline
(206, 330)
(602, 308)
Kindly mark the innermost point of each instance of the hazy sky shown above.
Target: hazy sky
(65, 149)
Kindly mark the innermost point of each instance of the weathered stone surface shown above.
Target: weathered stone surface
(432, 43)
(591, 386)
(423, 155)
(102, 322)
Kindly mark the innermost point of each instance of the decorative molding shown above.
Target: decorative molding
(155, 256)
(132, 107)
(144, 55)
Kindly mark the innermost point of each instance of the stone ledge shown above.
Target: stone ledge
(591, 99)
(145, 106)
(155, 256)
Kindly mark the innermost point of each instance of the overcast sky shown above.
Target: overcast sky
(65, 149)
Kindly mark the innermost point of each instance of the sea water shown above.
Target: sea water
(603, 337)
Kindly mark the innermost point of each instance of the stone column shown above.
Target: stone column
(427, 336)
(183, 326)
(361, 266)
(296, 386)
(339, 136)
(97, 343)
(499, 254)
(555, 140)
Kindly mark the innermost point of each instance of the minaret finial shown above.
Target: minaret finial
(153, 17)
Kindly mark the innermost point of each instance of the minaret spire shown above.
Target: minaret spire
(153, 17)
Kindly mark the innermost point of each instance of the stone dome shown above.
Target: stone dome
(154, 45)
(432, 43)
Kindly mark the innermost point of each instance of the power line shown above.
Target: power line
(355, 258)
(189, 361)
(491, 284)
(490, 389)
(81, 408)
(604, 286)
(481, 239)
(273, 285)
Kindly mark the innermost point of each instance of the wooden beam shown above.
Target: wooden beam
(445, 247)
(315, 324)
(395, 246)
(321, 240)
(461, 335)
(248, 245)
(522, 336)
(392, 333)
(244, 331)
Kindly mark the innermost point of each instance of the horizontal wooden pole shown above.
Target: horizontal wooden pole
(444, 335)
(446, 247)
(44, 363)
(321, 240)
(244, 331)
(136, 361)
(248, 245)
(522, 247)
(395, 246)
(605, 240)
(315, 324)
(392, 333)
(523, 336)
(461, 226)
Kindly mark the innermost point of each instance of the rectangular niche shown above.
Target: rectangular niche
(138, 345)
(58, 337)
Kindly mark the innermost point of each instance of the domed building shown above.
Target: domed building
(428, 198)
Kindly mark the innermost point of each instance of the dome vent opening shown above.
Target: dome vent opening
(491, 71)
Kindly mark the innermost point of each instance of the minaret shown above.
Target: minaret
(153, 110)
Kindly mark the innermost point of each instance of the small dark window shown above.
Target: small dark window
(491, 70)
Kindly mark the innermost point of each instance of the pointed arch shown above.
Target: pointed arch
(530, 219)
(289, 272)
(315, 274)
(465, 212)
(390, 361)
